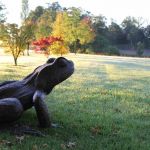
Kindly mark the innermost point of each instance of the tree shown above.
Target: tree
(43, 19)
(101, 31)
(82, 31)
(115, 34)
(58, 47)
(39, 22)
(44, 25)
(31, 22)
(54, 8)
(34, 15)
(25, 10)
(146, 32)
(130, 27)
(13, 40)
(85, 33)
(2, 14)
(72, 28)
(133, 30)
(140, 49)
(43, 44)
(28, 28)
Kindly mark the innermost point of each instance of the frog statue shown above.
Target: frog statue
(19, 95)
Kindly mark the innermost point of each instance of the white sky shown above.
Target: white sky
(116, 9)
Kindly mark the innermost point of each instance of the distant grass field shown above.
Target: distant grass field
(105, 105)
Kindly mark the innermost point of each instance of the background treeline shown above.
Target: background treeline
(81, 31)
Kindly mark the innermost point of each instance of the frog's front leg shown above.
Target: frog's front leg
(41, 109)
(10, 110)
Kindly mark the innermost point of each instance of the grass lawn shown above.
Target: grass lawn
(105, 105)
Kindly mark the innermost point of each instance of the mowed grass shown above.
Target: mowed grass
(105, 105)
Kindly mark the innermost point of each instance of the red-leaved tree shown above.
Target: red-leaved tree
(43, 43)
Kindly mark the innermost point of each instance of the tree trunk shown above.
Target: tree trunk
(23, 53)
(15, 61)
(75, 47)
(28, 46)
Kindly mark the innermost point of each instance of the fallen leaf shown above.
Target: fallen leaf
(34, 147)
(71, 144)
(19, 139)
(117, 110)
(6, 142)
(96, 130)
(63, 146)
(45, 145)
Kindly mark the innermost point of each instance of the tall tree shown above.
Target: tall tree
(115, 34)
(146, 32)
(2, 14)
(133, 30)
(35, 14)
(25, 10)
(72, 29)
(130, 27)
(44, 25)
(25, 24)
(99, 25)
(28, 29)
(43, 19)
(54, 8)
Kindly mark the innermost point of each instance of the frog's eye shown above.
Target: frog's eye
(50, 60)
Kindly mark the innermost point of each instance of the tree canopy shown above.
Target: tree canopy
(2, 13)
(79, 29)
(13, 40)
(25, 10)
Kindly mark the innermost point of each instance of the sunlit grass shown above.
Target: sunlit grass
(104, 105)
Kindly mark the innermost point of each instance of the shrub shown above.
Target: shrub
(89, 51)
(58, 48)
(81, 51)
(140, 49)
(112, 50)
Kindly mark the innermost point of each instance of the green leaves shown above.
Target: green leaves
(72, 27)
(2, 14)
(25, 10)
(13, 40)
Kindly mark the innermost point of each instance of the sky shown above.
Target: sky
(111, 9)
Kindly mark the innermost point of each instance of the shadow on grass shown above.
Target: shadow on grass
(25, 125)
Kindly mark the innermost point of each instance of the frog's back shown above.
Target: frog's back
(18, 89)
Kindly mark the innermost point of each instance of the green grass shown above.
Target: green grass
(103, 106)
